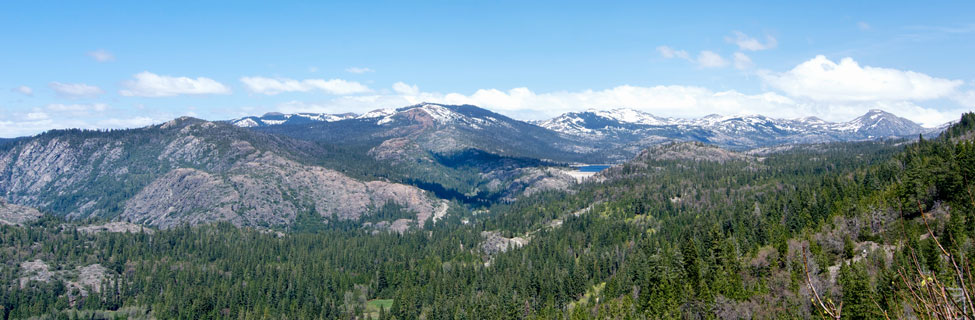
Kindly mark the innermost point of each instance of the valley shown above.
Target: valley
(438, 211)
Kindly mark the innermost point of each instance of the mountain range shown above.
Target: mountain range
(589, 136)
(403, 164)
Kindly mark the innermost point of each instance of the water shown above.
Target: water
(593, 168)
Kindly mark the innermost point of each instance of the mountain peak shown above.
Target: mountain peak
(181, 122)
(420, 106)
(877, 113)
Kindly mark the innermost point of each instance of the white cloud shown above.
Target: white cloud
(966, 98)
(358, 70)
(524, 103)
(863, 26)
(271, 86)
(705, 59)
(670, 53)
(670, 101)
(405, 89)
(75, 90)
(37, 115)
(295, 106)
(148, 84)
(25, 90)
(77, 109)
(101, 55)
(742, 61)
(744, 42)
(31, 126)
(821, 79)
(122, 123)
(709, 59)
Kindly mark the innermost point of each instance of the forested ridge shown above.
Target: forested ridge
(681, 231)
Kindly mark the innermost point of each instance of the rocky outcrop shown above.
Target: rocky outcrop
(116, 227)
(12, 214)
(35, 270)
(79, 282)
(183, 196)
(692, 151)
(541, 179)
(495, 243)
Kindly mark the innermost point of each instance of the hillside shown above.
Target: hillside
(189, 171)
(459, 152)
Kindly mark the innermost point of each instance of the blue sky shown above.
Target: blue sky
(130, 64)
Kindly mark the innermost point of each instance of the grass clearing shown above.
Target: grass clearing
(592, 292)
(373, 306)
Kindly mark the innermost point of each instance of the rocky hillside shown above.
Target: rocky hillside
(689, 151)
(190, 171)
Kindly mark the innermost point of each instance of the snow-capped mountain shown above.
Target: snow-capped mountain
(630, 126)
(596, 135)
(438, 113)
(592, 121)
(436, 128)
(277, 118)
(879, 123)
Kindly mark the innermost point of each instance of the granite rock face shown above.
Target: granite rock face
(189, 171)
(12, 214)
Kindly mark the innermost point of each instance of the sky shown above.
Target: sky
(134, 63)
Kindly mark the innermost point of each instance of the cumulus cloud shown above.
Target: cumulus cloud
(744, 42)
(358, 70)
(25, 90)
(821, 79)
(405, 89)
(670, 53)
(272, 86)
(709, 59)
(670, 101)
(966, 98)
(101, 55)
(524, 103)
(742, 61)
(75, 90)
(148, 84)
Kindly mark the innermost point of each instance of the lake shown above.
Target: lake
(593, 168)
